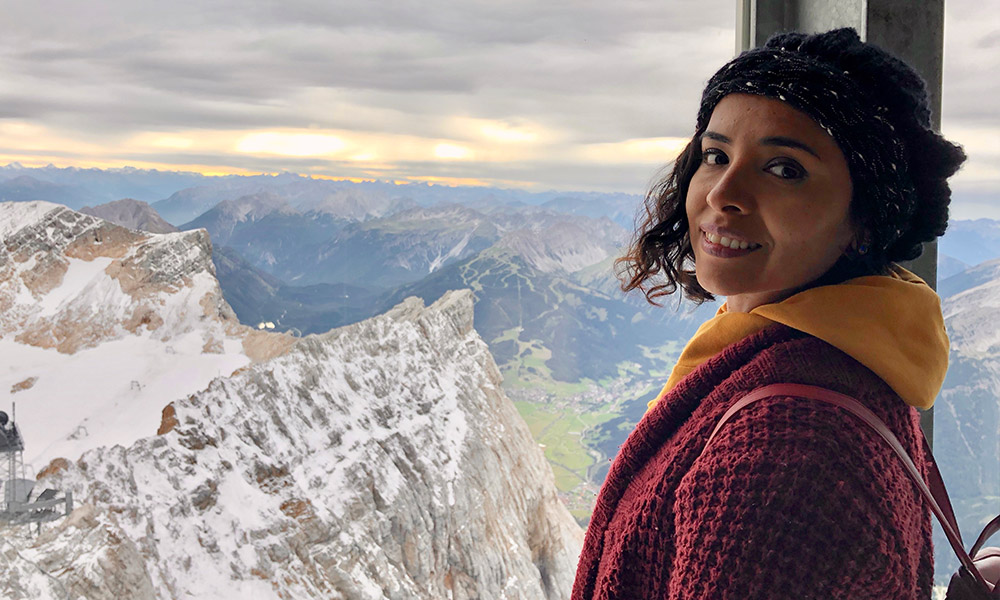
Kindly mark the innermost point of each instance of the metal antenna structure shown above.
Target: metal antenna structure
(20, 505)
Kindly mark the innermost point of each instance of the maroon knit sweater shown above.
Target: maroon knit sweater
(793, 499)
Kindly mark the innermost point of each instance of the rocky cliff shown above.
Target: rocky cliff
(101, 326)
(380, 460)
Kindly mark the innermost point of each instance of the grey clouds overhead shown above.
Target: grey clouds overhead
(561, 94)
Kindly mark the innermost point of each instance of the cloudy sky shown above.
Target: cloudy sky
(562, 94)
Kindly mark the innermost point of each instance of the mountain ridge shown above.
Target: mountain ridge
(377, 460)
(78, 294)
(131, 213)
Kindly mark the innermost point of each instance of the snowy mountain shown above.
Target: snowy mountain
(306, 248)
(967, 413)
(101, 326)
(971, 241)
(338, 199)
(948, 266)
(131, 213)
(380, 460)
(969, 279)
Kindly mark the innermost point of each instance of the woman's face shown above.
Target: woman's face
(775, 182)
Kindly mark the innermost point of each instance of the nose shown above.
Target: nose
(733, 190)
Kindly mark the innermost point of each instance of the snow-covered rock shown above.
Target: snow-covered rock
(101, 326)
(380, 460)
(967, 412)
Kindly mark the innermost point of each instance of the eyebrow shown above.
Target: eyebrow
(774, 140)
(778, 140)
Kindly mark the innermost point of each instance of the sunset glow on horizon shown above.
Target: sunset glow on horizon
(601, 102)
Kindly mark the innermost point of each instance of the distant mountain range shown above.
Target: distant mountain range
(340, 199)
(305, 255)
(546, 298)
(24, 188)
(76, 188)
(971, 242)
(572, 331)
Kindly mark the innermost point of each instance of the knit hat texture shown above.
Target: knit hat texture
(876, 108)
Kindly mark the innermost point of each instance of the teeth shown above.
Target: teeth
(730, 243)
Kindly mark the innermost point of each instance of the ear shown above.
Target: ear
(861, 243)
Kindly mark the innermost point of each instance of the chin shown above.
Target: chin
(723, 288)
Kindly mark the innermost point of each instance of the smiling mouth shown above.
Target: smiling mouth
(725, 242)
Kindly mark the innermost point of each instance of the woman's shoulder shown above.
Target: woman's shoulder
(810, 478)
(788, 440)
(774, 356)
(808, 485)
(804, 424)
(801, 358)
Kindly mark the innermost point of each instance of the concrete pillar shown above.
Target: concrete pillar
(914, 31)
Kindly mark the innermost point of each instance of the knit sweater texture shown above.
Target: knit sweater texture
(793, 499)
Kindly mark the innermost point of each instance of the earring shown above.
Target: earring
(860, 248)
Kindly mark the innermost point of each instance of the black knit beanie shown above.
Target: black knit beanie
(875, 107)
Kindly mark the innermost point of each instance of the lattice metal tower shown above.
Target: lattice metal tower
(12, 453)
(19, 505)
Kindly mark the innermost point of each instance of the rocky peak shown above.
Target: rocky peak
(70, 281)
(380, 460)
(101, 326)
(131, 213)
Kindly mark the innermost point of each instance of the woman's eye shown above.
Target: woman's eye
(786, 170)
(714, 156)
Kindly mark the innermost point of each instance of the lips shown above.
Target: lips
(728, 242)
(723, 246)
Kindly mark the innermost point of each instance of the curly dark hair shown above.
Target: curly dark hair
(660, 244)
(894, 222)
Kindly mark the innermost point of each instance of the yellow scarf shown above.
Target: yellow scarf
(891, 324)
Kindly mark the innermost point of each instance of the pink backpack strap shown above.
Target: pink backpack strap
(935, 493)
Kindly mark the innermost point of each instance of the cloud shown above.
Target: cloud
(564, 94)
(971, 57)
(494, 60)
(290, 143)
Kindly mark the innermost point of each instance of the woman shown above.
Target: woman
(812, 169)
